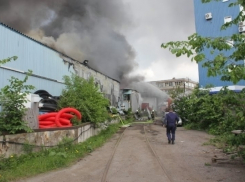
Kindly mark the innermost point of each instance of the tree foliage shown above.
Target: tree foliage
(222, 64)
(218, 113)
(12, 100)
(84, 96)
(175, 92)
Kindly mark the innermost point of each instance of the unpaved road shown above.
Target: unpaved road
(188, 160)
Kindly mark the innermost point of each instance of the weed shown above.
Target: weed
(242, 154)
(234, 156)
(27, 148)
(192, 126)
(66, 143)
(207, 164)
(89, 148)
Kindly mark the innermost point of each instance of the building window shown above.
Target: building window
(170, 83)
(177, 83)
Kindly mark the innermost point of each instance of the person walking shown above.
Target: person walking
(171, 124)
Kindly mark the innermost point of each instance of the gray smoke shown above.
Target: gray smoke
(81, 29)
(148, 90)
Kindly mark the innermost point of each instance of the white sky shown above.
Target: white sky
(156, 22)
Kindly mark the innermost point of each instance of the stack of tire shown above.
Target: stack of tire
(48, 103)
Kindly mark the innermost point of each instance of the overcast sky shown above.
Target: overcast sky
(156, 22)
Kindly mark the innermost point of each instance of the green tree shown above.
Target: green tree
(12, 100)
(221, 64)
(219, 113)
(84, 96)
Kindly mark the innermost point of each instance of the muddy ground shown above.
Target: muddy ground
(188, 160)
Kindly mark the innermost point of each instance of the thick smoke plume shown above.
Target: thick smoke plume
(148, 90)
(81, 29)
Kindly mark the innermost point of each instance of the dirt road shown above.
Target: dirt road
(142, 154)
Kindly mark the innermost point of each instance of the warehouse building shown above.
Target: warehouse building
(48, 65)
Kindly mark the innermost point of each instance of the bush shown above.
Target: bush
(84, 96)
(218, 114)
(12, 100)
(114, 110)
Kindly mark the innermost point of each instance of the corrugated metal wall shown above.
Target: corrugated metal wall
(48, 65)
(42, 60)
(212, 28)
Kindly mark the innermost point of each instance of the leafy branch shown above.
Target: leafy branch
(8, 60)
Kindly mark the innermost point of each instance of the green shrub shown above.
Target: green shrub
(84, 96)
(27, 148)
(114, 110)
(12, 100)
(218, 114)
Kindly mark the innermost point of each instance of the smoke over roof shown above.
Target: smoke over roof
(148, 90)
(81, 29)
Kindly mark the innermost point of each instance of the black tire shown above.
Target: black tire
(43, 93)
(49, 101)
(48, 106)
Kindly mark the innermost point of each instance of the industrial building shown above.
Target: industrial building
(209, 17)
(48, 65)
(171, 84)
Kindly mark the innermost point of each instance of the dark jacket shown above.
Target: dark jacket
(172, 118)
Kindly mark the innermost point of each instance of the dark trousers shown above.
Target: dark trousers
(171, 132)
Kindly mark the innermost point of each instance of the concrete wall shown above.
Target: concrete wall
(48, 137)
